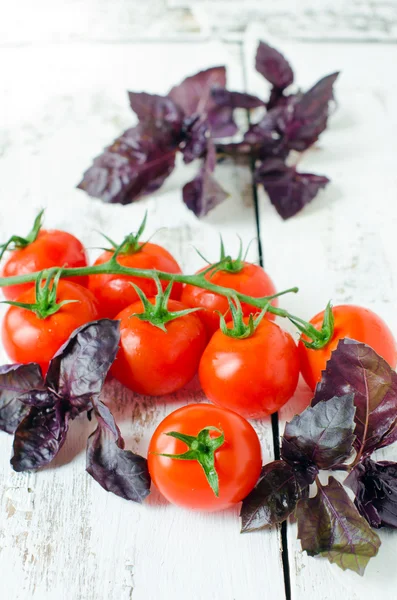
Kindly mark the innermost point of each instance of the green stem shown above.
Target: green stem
(112, 267)
(116, 269)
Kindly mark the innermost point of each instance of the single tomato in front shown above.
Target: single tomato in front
(204, 457)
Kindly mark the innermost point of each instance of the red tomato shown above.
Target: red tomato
(52, 248)
(155, 362)
(183, 482)
(115, 292)
(352, 322)
(253, 376)
(27, 338)
(251, 280)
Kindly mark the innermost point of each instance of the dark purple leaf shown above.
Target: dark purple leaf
(288, 190)
(375, 487)
(278, 98)
(78, 370)
(273, 498)
(270, 63)
(137, 163)
(221, 122)
(16, 380)
(40, 398)
(223, 97)
(195, 133)
(74, 380)
(117, 470)
(220, 117)
(322, 435)
(310, 114)
(329, 525)
(355, 368)
(152, 107)
(39, 437)
(203, 193)
(267, 136)
(193, 95)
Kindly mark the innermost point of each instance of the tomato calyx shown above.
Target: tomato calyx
(318, 338)
(240, 329)
(226, 263)
(46, 295)
(158, 314)
(15, 242)
(130, 244)
(201, 448)
(233, 265)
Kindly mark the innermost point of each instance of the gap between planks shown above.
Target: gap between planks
(274, 417)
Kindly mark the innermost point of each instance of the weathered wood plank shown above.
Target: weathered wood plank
(340, 247)
(129, 20)
(61, 535)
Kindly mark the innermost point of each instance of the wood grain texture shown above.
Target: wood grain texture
(341, 247)
(61, 535)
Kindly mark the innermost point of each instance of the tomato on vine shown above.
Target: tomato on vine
(42, 319)
(114, 291)
(239, 275)
(41, 249)
(349, 321)
(204, 457)
(161, 344)
(250, 365)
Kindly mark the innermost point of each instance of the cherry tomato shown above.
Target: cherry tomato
(52, 248)
(115, 292)
(251, 280)
(237, 461)
(27, 338)
(155, 362)
(352, 322)
(253, 376)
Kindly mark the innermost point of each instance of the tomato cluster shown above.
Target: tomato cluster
(169, 335)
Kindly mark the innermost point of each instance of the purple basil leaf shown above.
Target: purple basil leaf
(270, 63)
(355, 368)
(203, 193)
(78, 370)
(195, 133)
(39, 398)
(221, 122)
(221, 116)
(152, 107)
(267, 136)
(329, 525)
(39, 437)
(193, 95)
(278, 99)
(16, 380)
(137, 163)
(117, 470)
(375, 487)
(310, 114)
(223, 97)
(321, 434)
(288, 190)
(273, 498)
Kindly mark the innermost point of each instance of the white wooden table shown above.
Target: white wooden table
(61, 535)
